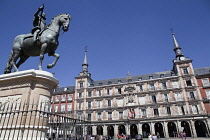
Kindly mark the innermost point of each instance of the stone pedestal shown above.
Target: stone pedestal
(24, 103)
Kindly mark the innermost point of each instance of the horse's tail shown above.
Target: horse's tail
(9, 65)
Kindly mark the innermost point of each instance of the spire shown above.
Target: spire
(85, 63)
(177, 49)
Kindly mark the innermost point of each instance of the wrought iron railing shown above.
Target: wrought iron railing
(22, 121)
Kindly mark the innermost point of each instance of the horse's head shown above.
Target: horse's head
(64, 21)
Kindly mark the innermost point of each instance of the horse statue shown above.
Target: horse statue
(24, 45)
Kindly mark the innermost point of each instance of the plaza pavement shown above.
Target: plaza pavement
(188, 138)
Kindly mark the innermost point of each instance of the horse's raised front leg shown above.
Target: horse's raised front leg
(57, 56)
(44, 46)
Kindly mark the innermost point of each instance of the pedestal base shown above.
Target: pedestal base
(24, 104)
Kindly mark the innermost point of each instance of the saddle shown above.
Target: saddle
(30, 35)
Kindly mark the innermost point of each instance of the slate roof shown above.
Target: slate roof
(202, 71)
(133, 78)
(68, 89)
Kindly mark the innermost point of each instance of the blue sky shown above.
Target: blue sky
(121, 35)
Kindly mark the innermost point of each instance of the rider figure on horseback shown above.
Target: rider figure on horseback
(38, 22)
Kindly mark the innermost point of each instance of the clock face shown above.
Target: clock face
(181, 58)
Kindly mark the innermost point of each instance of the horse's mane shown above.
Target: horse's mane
(56, 17)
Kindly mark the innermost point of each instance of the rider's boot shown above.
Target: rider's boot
(35, 36)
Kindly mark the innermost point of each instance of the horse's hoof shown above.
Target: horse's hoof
(49, 66)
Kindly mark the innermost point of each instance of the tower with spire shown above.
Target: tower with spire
(183, 68)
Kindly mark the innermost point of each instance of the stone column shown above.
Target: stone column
(192, 124)
(140, 128)
(94, 130)
(105, 133)
(127, 129)
(166, 129)
(115, 131)
(26, 91)
(152, 128)
(179, 126)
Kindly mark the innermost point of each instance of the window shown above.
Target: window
(168, 110)
(89, 117)
(107, 91)
(178, 96)
(152, 87)
(192, 96)
(173, 74)
(100, 84)
(109, 102)
(119, 91)
(80, 95)
(109, 82)
(89, 105)
(205, 82)
(121, 115)
(165, 97)
(185, 71)
(56, 108)
(57, 97)
(99, 92)
(80, 85)
(196, 108)
(129, 80)
(156, 113)
(164, 85)
(141, 87)
(150, 77)
(99, 116)
(119, 81)
(144, 113)
(162, 75)
(62, 107)
(182, 108)
(89, 94)
(188, 82)
(79, 106)
(207, 94)
(140, 78)
(98, 104)
(63, 97)
(69, 96)
(109, 115)
(154, 99)
(69, 107)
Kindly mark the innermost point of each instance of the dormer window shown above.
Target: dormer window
(65, 89)
(119, 81)
(140, 78)
(162, 75)
(173, 74)
(100, 84)
(109, 82)
(129, 80)
(150, 77)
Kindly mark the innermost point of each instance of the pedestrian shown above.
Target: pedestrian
(149, 137)
(154, 137)
(158, 135)
(184, 135)
(181, 135)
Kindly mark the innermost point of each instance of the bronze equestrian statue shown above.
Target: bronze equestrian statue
(46, 41)
(39, 22)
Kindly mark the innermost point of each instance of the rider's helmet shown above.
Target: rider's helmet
(43, 16)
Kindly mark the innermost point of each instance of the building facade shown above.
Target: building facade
(166, 102)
